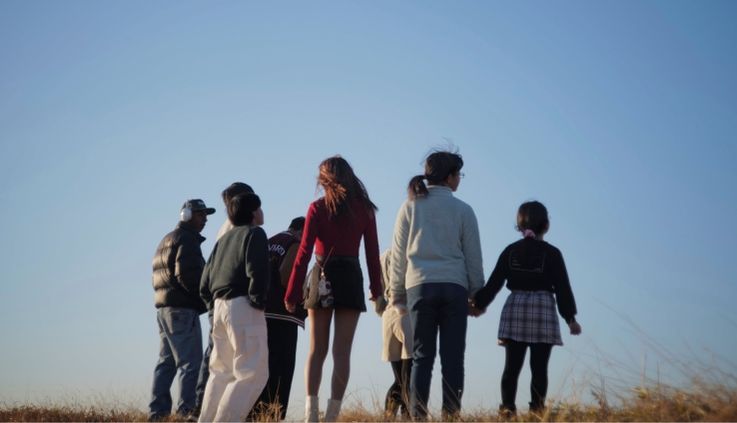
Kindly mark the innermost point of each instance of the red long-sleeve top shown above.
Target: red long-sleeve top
(342, 235)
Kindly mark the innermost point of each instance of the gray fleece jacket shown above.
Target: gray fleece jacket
(436, 239)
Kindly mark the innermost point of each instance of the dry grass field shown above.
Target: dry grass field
(702, 402)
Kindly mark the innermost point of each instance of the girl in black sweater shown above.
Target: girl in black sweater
(536, 274)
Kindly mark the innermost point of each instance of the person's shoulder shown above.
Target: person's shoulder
(552, 248)
(258, 231)
(181, 234)
(409, 202)
(317, 207)
(511, 247)
(172, 234)
(279, 236)
(515, 244)
(243, 233)
(465, 208)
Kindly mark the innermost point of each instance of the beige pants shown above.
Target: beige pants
(239, 363)
(397, 335)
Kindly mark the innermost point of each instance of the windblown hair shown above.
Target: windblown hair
(533, 215)
(341, 186)
(241, 208)
(438, 166)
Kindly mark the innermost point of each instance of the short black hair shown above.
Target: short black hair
(234, 189)
(241, 208)
(533, 215)
(298, 223)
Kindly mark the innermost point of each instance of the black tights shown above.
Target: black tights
(398, 396)
(515, 358)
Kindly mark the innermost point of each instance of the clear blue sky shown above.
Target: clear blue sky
(621, 116)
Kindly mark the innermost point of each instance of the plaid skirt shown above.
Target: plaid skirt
(530, 316)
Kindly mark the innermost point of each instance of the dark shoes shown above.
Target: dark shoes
(507, 412)
(536, 408)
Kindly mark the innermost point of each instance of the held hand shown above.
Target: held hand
(290, 307)
(379, 305)
(575, 328)
(475, 312)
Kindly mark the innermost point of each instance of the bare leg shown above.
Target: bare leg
(345, 327)
(319, 342)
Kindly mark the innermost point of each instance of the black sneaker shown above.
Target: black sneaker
(507, 412)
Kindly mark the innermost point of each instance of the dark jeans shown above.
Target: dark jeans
(515, 358)
(204, 369)
(438, 308)
(282, 341)
(180, 349)
(397, 398)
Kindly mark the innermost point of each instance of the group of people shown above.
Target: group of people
(257, 290)
(241, 286)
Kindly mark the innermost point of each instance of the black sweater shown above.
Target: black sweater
(531, 265)
(238, 266)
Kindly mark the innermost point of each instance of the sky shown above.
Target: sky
(620, 116)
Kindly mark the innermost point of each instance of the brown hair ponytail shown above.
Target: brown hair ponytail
(438, 166)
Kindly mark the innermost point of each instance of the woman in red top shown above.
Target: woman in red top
(334, 226)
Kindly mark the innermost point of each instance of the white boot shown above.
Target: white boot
(312, 409)
(331, 413)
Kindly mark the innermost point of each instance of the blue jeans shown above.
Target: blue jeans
(180, 348)
(433, 308)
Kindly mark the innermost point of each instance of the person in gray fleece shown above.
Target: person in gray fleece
(436, 268)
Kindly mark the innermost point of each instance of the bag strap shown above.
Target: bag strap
(324, 262)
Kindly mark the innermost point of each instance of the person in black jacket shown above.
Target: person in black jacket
(281, 326)
(237, 277)
(536, 274)
(177, 268)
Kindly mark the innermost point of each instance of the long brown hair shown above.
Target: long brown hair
(341, 186)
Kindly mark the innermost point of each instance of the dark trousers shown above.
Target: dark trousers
(204, 370)
(515, 358)
(438, 308)
(397, 398)
(282, 342)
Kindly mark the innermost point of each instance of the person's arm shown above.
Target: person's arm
(371, 245)
(563, 292)
(257, 266)
(486, 295)
(188, 266)
(294, 292)
(471, 245)
(398, 261)
(285, 269)
(205, 292)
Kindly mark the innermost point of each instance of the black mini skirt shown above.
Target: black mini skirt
(344, 287)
